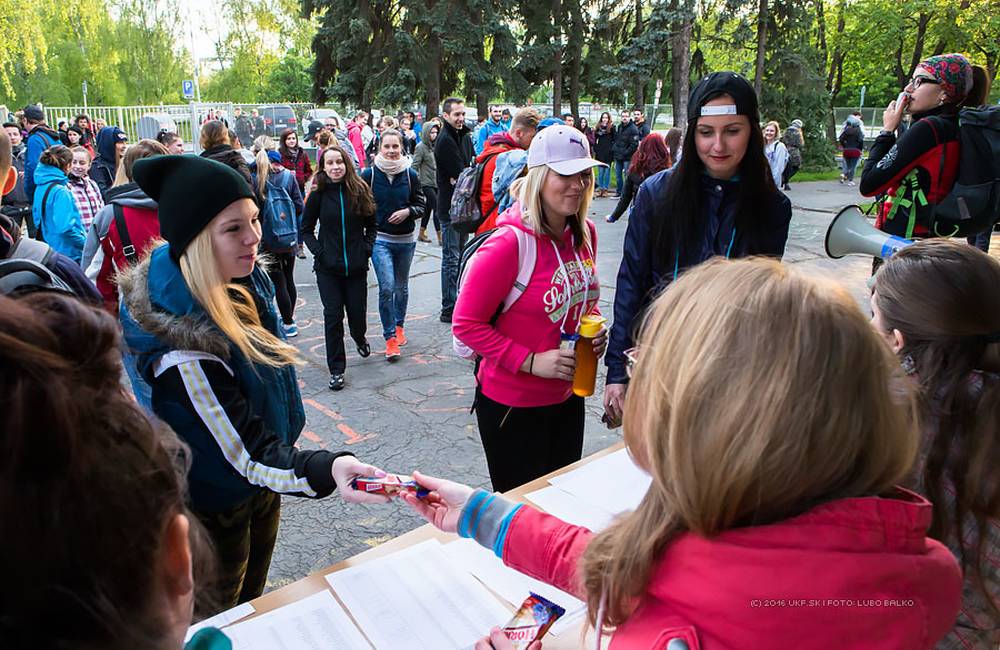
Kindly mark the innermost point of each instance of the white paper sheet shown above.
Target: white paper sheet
(317, 622)
(418, 599)
(222, 619)
(511, 584)
(557, 502)
(612, 483)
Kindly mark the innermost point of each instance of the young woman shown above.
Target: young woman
(198, 312)
(130, 576)
(673, 140)
(529, 419)
(584, 128)
(269, 173)
(719, 200)
(409, 136)
(917, 170)
(794, 142)
(426, 166)
(775, 151)
(400, 204)
(54, 208)
(343, 206)
(85, 191)
(650, 158)
(173, 142)
(937, 306)
(732, 545)
(111, 145)
(852, 142)
(217, 146)
(294, 157)
(604, 141)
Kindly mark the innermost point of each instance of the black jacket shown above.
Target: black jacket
(627, 139)
(604, 142)
(404, 191)
(644, 272)
(345, 239)
(453, 151)
(230, 157)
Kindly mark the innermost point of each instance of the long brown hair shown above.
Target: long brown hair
(942, 297)
(359, 194)
(214, 133)
(142, 149)
(87, 484)
(736, 409)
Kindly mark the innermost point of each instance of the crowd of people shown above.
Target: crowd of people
(799, 450)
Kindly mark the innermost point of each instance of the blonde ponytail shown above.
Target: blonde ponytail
(231, 307)
(263, 171)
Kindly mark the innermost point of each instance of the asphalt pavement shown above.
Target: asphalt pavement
(414, 414)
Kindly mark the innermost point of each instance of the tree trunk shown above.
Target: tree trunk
(575, 55)
(557, 59)
(639, 87)
(758, 75)
(923, 20)
(432, 79)
(680, 69)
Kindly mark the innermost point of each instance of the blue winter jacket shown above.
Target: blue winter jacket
(487, 129)
(508, 169)
(59, 222)
(40, 139)
(404, 191)
(644, 271)
(241, 419)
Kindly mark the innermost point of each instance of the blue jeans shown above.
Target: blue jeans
(982, 240)
(621, 171)
(850, 164)
(392, 267)
(452, 244)
(603, 177)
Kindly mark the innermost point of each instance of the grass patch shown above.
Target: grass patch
(828, 175)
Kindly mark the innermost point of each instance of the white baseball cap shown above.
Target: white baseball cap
(563, 149)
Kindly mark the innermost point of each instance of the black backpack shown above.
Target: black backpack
(973, 205)
(19, 276)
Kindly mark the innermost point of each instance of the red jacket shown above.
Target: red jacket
(496, 145)
(300, 165)
(855, 574)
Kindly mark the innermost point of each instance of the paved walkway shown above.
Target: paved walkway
(415, 414)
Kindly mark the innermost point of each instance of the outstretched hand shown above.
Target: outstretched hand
(443, 506)
(348, 468)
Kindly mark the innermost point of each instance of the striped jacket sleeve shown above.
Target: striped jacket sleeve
(207, 387)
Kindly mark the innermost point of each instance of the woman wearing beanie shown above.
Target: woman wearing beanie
(399, 205)
(917, 170)
(719, 199)
(343, 206)
(794, 142)
(530, 421)
(198, 314)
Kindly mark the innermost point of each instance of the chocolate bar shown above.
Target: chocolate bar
(389, 485)
(532, 620)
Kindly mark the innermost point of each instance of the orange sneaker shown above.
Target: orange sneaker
(392, 352)
(400, 336)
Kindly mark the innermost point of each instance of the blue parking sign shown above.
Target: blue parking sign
(187, 86)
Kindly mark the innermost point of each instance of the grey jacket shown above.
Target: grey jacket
(423, 160)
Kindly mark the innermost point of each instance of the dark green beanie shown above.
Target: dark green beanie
(190, 191)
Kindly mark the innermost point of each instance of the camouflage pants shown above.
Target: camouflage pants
(244, 540)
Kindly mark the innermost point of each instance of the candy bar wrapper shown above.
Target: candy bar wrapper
(389, 485)
(532, 620)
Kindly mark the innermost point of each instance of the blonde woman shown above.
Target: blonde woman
(530, 421)
(199, 316)
(775, 151)
(773, 519)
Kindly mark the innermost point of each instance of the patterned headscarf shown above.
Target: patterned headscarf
(953, 72)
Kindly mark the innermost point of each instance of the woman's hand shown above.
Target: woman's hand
(614, 401)
(443, 506)
(399, 216)
(345, 470)
(601, 342)
(497, 640)
(553, 364)
(893, 115)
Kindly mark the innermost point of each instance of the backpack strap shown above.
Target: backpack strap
(128, 250)
(45, 200)
(527, 256)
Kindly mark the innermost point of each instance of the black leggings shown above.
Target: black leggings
(282, 274)
(431, 194)
(790, 170)
(525, 443)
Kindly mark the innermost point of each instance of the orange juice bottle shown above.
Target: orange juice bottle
(586, 359)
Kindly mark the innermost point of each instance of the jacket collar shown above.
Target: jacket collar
(455, 133)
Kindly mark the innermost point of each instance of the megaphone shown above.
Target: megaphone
(850, 232)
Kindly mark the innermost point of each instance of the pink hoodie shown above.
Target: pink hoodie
(535, 321)
(354, 137)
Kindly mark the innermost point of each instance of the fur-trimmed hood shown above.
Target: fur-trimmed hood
(158, 311)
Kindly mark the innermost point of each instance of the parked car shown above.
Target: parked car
(320, 115)
(277, 118)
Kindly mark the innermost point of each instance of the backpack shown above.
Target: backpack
(19, 276)
(279, 225)
(466, 209)
(527, 255)
(973, 204)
